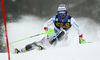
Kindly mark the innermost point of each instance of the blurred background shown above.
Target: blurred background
(47, 8)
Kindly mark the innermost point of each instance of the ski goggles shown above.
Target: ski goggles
(61, 12)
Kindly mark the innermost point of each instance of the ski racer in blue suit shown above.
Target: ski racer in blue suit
(62, 23)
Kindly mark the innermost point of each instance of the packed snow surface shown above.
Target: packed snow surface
(65, 50)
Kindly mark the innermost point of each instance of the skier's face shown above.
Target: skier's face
(63, 15)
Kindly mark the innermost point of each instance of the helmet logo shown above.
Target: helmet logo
(61, 9)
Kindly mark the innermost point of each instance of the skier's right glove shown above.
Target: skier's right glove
(45, 28)
(82, 41)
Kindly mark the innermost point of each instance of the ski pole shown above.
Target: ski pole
(50, 31)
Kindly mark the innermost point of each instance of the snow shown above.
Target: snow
(69, 50)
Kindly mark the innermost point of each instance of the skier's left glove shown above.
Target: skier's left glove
(81, 40)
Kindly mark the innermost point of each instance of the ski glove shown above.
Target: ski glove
(82, 41)
(45, 28)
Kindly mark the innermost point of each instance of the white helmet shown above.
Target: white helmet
(62, 9)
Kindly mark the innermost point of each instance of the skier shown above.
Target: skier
(62, 23)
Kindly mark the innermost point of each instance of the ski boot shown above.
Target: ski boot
(32, 46)
(35, 44)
